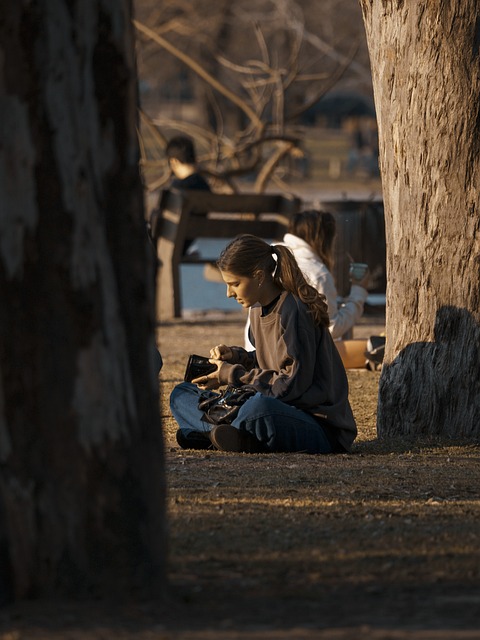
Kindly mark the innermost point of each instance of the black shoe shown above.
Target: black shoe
(226, 438)
(193, 440)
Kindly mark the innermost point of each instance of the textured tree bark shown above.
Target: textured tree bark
(425, 66)
(81, 458)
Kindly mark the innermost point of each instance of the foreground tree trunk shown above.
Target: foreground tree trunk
(81, 468)
(425, 64)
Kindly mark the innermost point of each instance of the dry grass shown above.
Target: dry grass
(382, 543)
(316, 541)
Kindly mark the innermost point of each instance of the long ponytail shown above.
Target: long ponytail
(288, 276)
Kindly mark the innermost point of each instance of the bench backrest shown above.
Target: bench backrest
(186, 215)
(182, 216)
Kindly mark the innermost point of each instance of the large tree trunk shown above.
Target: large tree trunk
(81, 467)
(425, 65)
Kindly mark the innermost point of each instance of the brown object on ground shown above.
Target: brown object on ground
(380, 543)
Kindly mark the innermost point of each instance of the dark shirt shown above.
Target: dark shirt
(194, 182)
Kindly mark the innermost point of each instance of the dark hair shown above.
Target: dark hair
(317, 229)
(247, 254)
(181, 148)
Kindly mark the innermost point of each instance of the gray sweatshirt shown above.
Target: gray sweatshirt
(297, 362)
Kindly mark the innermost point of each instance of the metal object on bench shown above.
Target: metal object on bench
(182, 216)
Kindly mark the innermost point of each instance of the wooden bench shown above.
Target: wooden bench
(183, 216)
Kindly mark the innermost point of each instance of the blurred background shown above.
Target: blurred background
(277, 96)
(259, 81)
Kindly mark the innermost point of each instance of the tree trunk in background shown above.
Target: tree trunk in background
(425, 65)
(81, 466)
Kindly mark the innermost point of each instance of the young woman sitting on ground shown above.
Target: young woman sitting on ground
(301, 404)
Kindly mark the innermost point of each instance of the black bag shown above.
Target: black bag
(222, 408)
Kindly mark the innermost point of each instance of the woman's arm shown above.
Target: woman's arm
(234, 355)
(349, 312)
(345, 316)
(286, 349)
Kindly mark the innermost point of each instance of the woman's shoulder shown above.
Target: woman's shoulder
(299, 246)
(304, 254)
(290, 304)
(296, 314)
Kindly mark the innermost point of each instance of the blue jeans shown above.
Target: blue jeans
(278, 425)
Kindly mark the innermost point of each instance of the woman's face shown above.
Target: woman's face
(245, 290)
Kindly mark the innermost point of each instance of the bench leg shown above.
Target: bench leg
(167, 301)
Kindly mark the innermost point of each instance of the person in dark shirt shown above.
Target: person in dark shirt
(183, 164)
(182, 161)
(181, 158)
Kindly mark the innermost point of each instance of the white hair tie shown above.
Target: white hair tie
(275, 257)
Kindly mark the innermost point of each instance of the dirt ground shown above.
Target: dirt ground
(382, 543)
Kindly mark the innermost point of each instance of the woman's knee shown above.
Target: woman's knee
(178, 390)
(185, 392)
(260, 405)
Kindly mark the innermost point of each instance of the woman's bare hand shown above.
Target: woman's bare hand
(363, 282)
(221, 352)
(210, 381)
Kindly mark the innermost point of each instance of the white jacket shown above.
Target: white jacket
(343, 317)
